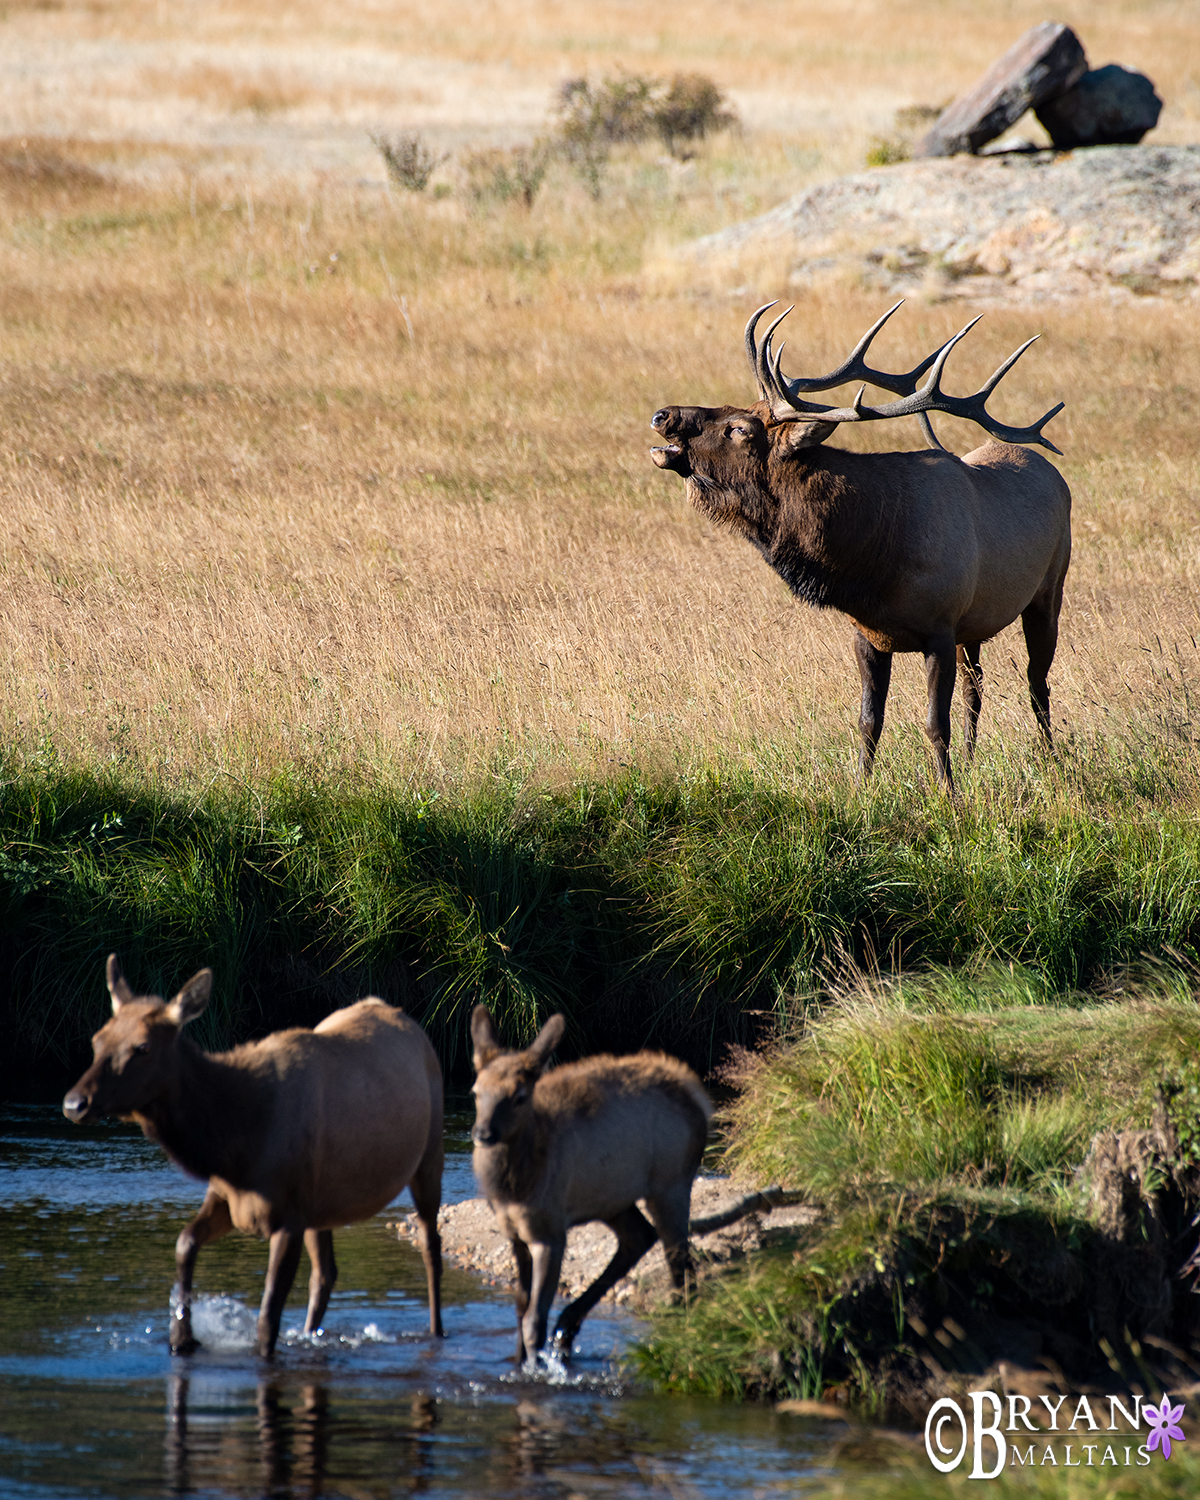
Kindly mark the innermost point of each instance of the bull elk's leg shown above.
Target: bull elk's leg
(634, 1238)
(1041, 641)
(875, 669)
(282, 1263)
(524, 1285)
(972, 676)
(940, 666)
(547, 1258)
(319, 1244)
(210, 1223)
(426, 1189)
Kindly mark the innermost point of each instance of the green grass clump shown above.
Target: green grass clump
(937, 1123)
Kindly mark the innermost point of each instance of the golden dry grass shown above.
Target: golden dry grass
(247, 520)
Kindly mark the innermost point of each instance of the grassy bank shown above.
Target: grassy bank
(682, 911)
(940, 1123)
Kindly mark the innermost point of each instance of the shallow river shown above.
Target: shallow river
(92, 1404)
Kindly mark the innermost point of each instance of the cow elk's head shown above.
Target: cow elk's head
(505, 1080)
(131, 1054)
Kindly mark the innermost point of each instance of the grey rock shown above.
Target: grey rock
(1047, 61)
(1124, 220)
(1110, 106)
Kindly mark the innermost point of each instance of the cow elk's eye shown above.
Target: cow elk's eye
(141, 1048)
(520, 1096)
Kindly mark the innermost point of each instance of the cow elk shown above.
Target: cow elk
(924, 551)
(297, 1134)
(585, 1141)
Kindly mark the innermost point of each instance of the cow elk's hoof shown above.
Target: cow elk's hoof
(183, 1343)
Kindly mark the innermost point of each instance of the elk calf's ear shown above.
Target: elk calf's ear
(547, 1039)
(117, 987)
(484, 1037)
(191, 999)
(790, 437)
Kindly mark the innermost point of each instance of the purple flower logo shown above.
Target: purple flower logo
(1164, 1422)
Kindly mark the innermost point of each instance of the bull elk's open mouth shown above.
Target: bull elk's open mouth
(668, 457)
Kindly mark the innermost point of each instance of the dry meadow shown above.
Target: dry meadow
(296, 468)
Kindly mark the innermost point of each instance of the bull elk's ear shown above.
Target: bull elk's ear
(191, 999)
(483, 1035)
(117, 987)
(547, 1039)
(790, 437)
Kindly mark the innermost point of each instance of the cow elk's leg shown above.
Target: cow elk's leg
(875, 669)
(547, 1261)
(940, 666)
(1041, 641)
(972, 676)
(524, 1285)
(282, 1263)
(210, 1223)
(426, 1189)
(319, 1244)
(634, 1238)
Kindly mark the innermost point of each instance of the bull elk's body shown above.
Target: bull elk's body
(924, 551)
(297, 1134)
(586, 1141)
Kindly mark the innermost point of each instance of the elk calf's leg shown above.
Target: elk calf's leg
(670, 1214)
(875, 669)
(547, 1261)
(940, 665)
(210, 1223)
(524, 1285)
(282, 1263)
(972, 675)
(319, 1244)
(634, 1238)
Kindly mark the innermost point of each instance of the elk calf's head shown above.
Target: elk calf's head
(132, 1053)
(505, 1080)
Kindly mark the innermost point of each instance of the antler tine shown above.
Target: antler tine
(995, 380)
(765, 372)
(751, 347)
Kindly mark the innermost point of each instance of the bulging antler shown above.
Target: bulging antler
(788, 405)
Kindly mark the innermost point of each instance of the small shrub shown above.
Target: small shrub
(409, 162)
(499, 176)
(907, 125)
(630, 107)
(691, 106)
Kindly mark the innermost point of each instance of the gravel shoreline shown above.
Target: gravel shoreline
(471, 1241)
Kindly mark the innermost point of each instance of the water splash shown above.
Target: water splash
(221, 1323)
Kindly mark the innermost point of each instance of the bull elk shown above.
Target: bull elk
(923, 550)
(297, 1134)
(585, 1141)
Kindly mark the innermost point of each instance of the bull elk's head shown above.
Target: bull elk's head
(505, 1080)
(131, 1053)
(710, 443)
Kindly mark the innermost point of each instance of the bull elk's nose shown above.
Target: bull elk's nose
(75, 1105)
(659, 420)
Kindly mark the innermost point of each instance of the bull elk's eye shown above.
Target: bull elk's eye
(739, 432)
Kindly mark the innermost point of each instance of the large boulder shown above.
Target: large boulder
(1109, 106)
(1046, 62)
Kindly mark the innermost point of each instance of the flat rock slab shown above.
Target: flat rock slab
(1047, 61)
(471, 1241)
(1108, 106)
(1121, 220)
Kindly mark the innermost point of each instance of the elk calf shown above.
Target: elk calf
(924, 551)
(583, 1142)
(297, 1134)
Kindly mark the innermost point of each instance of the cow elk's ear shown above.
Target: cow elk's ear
(191, 999)
(810, 433)
(547, 1039)
(484, 1037)
(117, 987)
